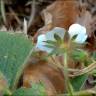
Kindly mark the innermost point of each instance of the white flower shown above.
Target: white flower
(74, 29)
(80, 31)
(49, 36)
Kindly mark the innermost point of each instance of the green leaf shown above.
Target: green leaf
(49, 46)
(15, 49)
(50, 42)
(54, 52)
(74, 37)
(78, 82)
(36, 90)
(79, 55)
(57, 37)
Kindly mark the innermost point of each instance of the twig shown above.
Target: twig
(33, 11)
(15, 16)
(85, 70)
(3, 11)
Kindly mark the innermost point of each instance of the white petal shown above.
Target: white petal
(41, 38)
(57, 30)
(81, 38)
(41, 44)
(49, 36)
(76, 29)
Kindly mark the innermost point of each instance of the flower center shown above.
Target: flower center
(64, 45)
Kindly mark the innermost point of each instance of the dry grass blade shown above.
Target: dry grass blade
(33, 11)
(3, 11)
(25, 27)
(88, 69)
(15, 16)
(87, 92)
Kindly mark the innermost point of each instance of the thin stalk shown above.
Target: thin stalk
(65, 72)
(86, 70)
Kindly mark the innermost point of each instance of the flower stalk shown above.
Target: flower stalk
(65, 72)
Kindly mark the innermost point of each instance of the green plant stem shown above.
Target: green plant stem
(65, 72)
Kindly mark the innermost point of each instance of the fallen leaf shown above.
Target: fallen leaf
(44, 72)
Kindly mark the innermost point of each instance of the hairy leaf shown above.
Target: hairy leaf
(15, 48)
(35, 90)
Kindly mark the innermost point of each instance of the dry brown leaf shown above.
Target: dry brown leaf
(41, 71)
(64, 13)
(86, 19)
